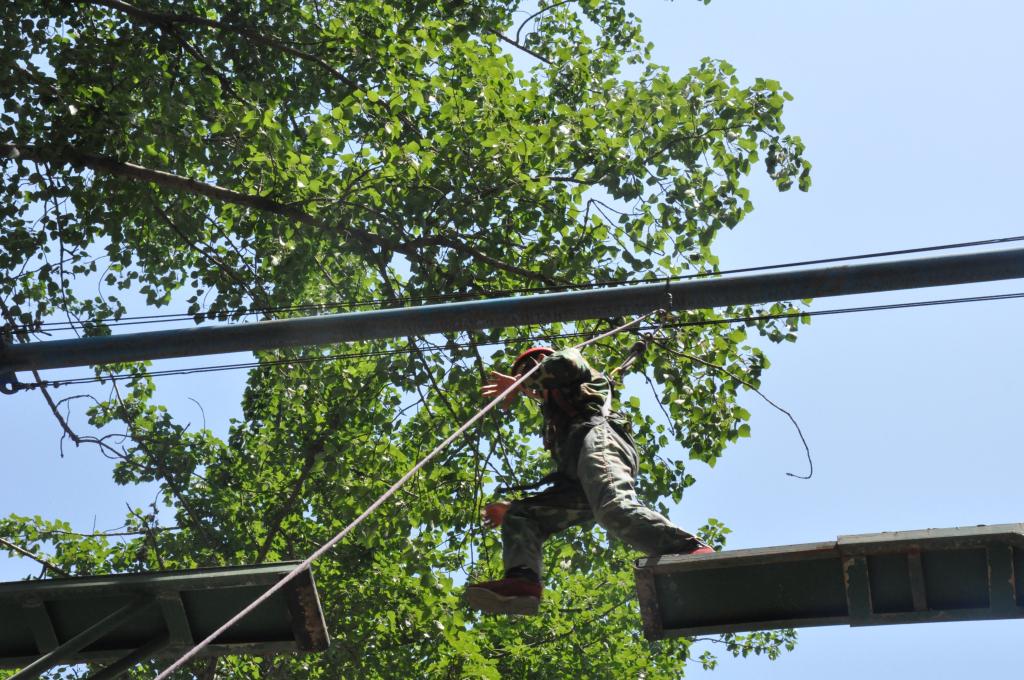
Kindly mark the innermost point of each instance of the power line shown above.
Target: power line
(521, 339)
(452, 297)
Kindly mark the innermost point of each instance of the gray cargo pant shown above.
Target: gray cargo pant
(599, 486)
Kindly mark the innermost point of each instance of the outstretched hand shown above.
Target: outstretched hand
(499, 382)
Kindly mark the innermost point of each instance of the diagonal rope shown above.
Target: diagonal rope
(322, 550)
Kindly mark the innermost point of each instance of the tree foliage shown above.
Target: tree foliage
(244, 158)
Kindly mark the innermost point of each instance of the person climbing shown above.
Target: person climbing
(596, 468)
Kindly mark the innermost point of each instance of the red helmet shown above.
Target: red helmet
(536, 352)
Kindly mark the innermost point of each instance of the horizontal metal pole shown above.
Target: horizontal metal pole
(518, 311)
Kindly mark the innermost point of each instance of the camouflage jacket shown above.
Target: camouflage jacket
(575, 395)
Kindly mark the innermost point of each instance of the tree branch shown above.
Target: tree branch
(166, 19)
(111, 166)
(312, 453)
(196, 520)
(206, 252)
(46, 563)
(750, 386)
(536, 14)
(520, 46)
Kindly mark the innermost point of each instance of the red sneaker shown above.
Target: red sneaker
(510, 595)
(701, 549)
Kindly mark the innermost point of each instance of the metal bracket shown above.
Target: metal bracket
(9, 383)
(8, 380)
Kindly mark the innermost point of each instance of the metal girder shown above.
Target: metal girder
(125, 663)
(67, 650)
(959, 574)
(85, 620)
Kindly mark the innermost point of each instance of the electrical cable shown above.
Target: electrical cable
(452, 297)
(521, 339)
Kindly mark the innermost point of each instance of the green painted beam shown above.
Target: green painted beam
(39, 618)
(959, 574)
(126, 663)
(67, 650)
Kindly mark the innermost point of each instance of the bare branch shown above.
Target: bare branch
(188, 185)
(536, 14)
(520, 46)
(21, 551)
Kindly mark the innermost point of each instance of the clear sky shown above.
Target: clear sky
(910, 115)
(909, 111)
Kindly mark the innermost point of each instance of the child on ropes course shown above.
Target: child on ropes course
(596, 467)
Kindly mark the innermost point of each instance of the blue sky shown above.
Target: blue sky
(909, 111)
(913, 416)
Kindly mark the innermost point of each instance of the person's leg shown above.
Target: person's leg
(530, 521)
(607, 469)
(525, 526)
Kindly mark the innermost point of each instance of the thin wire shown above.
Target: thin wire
(723, 369)
(305, 564)
(360, 304)
(471, 345)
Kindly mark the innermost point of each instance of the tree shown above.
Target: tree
(258, 158)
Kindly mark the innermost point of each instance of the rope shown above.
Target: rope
(305, 564)
(636, 352)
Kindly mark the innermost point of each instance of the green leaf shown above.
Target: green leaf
(363, 155)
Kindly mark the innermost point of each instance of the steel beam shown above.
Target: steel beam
(185, 605)
(126, 663)
(35, 615)
(518, 311)
(958, 574)
(112, 621)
